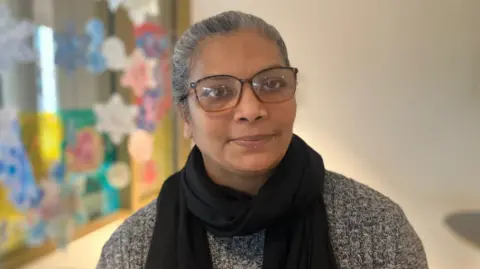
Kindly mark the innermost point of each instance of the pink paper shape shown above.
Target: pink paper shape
(138, 74)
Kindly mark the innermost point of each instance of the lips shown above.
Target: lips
(253, 138)
(253, 141)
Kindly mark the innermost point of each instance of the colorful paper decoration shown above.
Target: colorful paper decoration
(54, 217)
(96, 62)
(16, 172)
(116, 118)
(35, 230)
(153, 40)
(96, 196)
(14, 39)
(114, 52)
(140, 146)
(95, 29)
(147, 116)
(87, 153)
(138, 73)
(138, 4)
(51, 203)
(71, 52)
(84, 50)
(118, 176)
(79, 183)
(140, 10)
(137, 10)
(160, 74)
(150, 172)
(57, 172)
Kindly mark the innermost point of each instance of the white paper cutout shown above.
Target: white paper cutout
(118, 176)
(114, 52)
(139, 4)
(116, 118)
(14, 39)
(8, 120)
(139, 10)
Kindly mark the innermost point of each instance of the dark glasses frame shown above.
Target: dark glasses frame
(193, 86)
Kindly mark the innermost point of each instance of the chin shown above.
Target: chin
(255, 164)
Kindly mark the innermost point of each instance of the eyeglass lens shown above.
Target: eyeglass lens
(222, 92)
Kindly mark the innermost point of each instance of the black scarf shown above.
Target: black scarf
(289, 206)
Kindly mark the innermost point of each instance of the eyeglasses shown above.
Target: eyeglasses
(222, 92)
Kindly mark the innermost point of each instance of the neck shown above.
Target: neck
(249, 183)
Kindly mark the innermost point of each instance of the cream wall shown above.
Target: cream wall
(390, 95)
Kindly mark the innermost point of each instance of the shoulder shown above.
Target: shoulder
(357, 199)
(128, 245)
(369, 228)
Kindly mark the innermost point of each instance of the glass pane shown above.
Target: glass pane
(93, 92)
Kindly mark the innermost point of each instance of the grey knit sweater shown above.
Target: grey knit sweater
(367, 230)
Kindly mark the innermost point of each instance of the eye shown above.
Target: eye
(220, 91)
(270, 84)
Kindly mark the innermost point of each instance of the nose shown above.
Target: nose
(249, 107)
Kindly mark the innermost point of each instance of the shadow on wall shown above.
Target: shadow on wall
(466, 225)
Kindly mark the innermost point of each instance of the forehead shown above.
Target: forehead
(240, 54)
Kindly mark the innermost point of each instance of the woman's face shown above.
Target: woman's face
(253, 136)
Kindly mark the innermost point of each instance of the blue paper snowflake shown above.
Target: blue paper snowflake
(96, 62)
(19, 178)
(71, 52)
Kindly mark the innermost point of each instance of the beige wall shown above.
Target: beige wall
(390, 95)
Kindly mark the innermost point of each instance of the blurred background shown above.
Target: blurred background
(389, 94)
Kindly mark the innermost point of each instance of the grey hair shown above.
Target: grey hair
(223, 23)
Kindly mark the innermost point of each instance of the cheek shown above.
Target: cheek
(208, 129)
(284, 114)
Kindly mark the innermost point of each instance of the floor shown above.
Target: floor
(81, 254)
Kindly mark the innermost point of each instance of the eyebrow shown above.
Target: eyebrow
(230, 75)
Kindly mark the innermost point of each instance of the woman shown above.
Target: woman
(252, 194)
